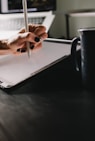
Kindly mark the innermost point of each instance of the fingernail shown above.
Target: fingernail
(37, 39)
(19, 49)
(23, 50)
(32, 46)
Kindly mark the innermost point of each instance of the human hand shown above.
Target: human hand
(17, 43)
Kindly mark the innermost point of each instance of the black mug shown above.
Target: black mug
(87, 58)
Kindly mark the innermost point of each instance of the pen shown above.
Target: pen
(26, 25)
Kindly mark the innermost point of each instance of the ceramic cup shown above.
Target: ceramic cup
(86, 40)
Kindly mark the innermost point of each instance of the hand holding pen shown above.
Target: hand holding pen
(35, 36)
(27, 28)
(37, 39)
(17, 44)
(32, 34)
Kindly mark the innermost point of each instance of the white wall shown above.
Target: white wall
(58, 28)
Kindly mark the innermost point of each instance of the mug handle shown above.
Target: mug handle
(74, 53)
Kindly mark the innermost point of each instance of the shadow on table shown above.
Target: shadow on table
(48, 107)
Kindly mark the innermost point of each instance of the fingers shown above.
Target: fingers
(32, 38)
(35, 31)
(39, 30)
(35, 42)
(43, 36)
(24, 49)
(27, 37)
(37, 46)
(35, 36)
(33, 28)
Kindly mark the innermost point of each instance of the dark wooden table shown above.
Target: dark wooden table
(51, 106)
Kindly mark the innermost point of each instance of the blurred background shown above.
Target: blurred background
(59, 22)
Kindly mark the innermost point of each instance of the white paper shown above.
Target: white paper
(15, 69)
